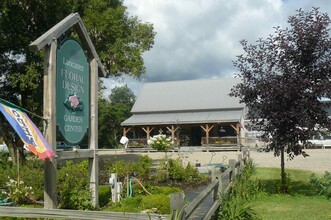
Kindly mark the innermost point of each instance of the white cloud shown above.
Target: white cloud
(200, 38)
(112, 82)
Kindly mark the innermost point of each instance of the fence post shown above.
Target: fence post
(232, 165)
(246, 156)
(216, 175)
(113, 186)
(177, 205)
(240, 161)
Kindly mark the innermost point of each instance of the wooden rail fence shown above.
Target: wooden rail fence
(221, 184)
(75, 214)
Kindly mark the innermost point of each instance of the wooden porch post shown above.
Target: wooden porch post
(237, 129)
(148, 130)
(125, 131)
(207, 129)
(173, 130)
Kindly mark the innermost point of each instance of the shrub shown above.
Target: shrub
(244, 186)
(73, 186)
(156, 203)
(131, 204)
(172, 172)
(144, 167)
(322, 184)
(151, 203)
(31, 173)
(104, 195)
(164, 190)
(18, 191)
(4, 162)
(160, 142)
(140, 169)
(10, 172)
(237, 208)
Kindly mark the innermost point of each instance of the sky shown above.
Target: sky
(199, 39)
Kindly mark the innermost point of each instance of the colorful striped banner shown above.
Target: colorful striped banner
(27, 131)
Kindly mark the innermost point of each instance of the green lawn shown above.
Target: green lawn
(278, 207)
(301, 203)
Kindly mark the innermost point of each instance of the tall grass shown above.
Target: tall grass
(236, 205)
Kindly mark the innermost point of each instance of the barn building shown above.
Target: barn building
(191, 112)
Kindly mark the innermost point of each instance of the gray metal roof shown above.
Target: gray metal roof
(184, 118)
(188, 95)
(186, 102)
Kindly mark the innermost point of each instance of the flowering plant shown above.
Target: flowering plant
(17, 191)
(160, 142)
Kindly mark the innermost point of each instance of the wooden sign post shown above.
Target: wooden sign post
(48, 42)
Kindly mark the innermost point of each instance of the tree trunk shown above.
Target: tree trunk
(283, 175)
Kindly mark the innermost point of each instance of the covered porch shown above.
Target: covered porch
(200, 129)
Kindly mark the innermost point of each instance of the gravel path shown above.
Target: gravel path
(319, 160)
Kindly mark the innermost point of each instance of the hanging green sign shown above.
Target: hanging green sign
(72, 91)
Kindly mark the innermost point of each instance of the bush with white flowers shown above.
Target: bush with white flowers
(160, 142)
(17, 191)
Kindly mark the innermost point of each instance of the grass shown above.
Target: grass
(270, 181)
(158, 202)
(301, 203)
(285, 207)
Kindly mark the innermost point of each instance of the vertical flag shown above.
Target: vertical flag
(27, 131)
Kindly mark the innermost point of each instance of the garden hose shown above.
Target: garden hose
(130, 186)
(130, 195)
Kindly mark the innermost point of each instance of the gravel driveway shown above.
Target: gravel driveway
(319, 160)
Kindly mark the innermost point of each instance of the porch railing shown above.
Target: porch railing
(232, 140)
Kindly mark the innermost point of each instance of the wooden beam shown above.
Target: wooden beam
(38, 213)
(60, 28)
(148, 130)
(93, 136)
(173, 130)
(76, 154)
(207, 129)
(126, 130)
(50, 165)
(235, 128)
(55, 32)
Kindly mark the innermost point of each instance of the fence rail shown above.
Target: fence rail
(221, 184)
(75, 214)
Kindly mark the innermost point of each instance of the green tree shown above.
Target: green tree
(284, 78)
(112, 114)
(119, 39)
(122, 95)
